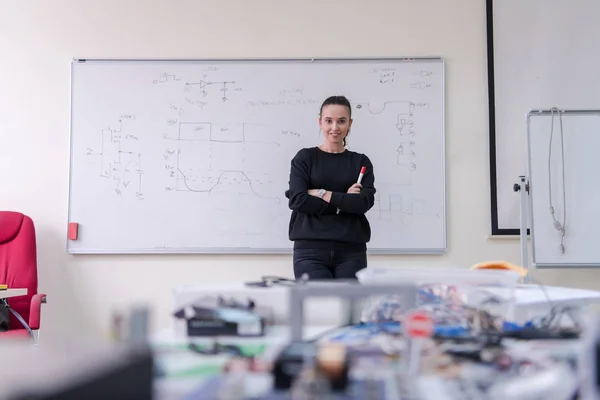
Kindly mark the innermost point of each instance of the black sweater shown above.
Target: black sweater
(314, 222)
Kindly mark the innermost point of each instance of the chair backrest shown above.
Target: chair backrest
(18, 260)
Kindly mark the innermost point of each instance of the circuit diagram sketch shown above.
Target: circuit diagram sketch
(202, 87)
(207, 158)
(420, 85)
(401, 200)
(402, 108)
(406, 149)
(422, 73)
(223, 161)
(392, 206)
(406, 141)
(228, 168)
(405, 125)
(166, 77)
(206, 86)
(403, 208)
(422, 80)
(406, 153)
(200, 131)
(118, 158)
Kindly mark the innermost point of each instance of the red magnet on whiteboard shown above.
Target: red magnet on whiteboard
(73, 230)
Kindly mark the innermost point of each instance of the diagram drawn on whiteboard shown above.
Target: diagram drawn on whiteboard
(118, 158)
(203, 157)
(401, 114)
(204, 86)
(400, 200)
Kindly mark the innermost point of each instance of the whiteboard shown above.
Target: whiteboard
(193, 156)
(544, 55)
(575, 199)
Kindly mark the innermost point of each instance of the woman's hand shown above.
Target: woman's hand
(355, 188)
(315, 192)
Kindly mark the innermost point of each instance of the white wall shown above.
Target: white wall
(38, 39)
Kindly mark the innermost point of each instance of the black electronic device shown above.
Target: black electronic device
(290, 362)
(330, 361)
(270, 281)
(218, 317)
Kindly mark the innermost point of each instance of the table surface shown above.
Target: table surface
(531, 294)
(524, 295)
(5, 294)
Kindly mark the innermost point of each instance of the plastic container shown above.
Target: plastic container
(505, 279)
(452, 295)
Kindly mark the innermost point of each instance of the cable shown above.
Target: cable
(542, 287)
(554, 311)
(328, 332)
(557, 224)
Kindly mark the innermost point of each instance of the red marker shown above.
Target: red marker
(360, 176)
(362, 173)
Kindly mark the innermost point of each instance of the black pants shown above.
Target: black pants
(328, 264)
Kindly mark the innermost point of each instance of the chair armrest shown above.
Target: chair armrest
(36, 310)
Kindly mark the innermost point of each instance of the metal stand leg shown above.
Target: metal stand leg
(523, 188)
(21, 320)
(352, 291)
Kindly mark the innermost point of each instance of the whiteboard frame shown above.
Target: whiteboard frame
(260, 251)
(547, 112)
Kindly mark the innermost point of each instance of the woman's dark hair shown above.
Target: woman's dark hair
(338, 101)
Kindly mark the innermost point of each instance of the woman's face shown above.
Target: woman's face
(335, 123)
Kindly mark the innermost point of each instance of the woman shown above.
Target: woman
(328, 224)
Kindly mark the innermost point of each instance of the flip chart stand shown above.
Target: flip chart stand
(558, 157)
(523, 188)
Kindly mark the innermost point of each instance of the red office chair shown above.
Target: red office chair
(18, 269)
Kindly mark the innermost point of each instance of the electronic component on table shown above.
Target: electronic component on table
(270, 281)
(217, 317)
(333, 361)
(290, 362)
(453, 316)
(302, 360)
